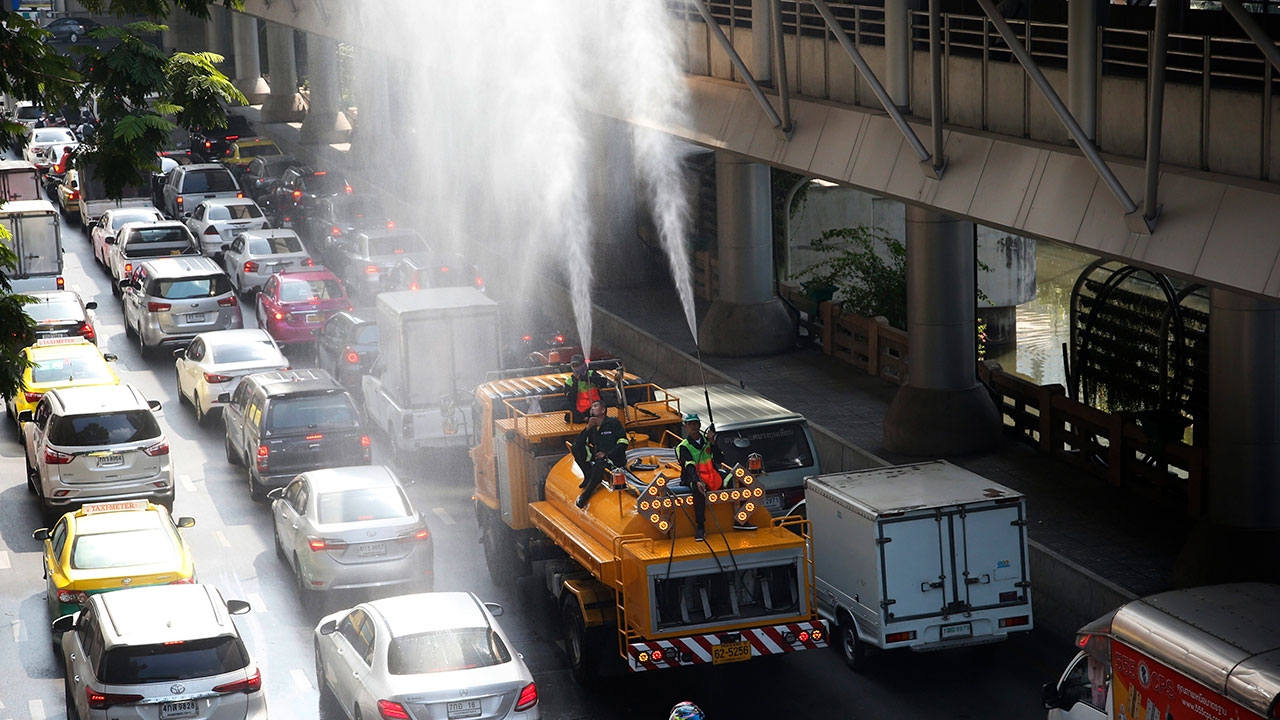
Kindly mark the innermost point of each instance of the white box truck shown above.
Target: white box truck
(35, 237)
(93, 199)
(925, 556)
(434, 347)
(1204, 653)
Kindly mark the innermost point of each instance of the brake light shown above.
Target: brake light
(309, 262)
(184, 581)
(528, 697)
(87, 331)
(526, 338)
(211, 230)
(318, 543)
(413, 285)
(559, 340)
(348, 189)
(158, 306)
(158, 449)
(371, 269)
(251, 266)
(351, 356)
(1019, 621)
(32, 397)
(365, 441)
(69, 597)
(279, 315)
(102, 701)
(320, 173)
(392, 710)
(297, 194)
(335, 231)
(75, 195)
(128, 268)
(900, 636)
(228, 301)
(179, 200)
(207, 144)
(239, 196)
(443, 268)
(62, 284)
(251, 684)
(53, 457)
(216, 378)
(391, 224)
(263, 457)
(316, 436)
(227, 152)
(232, 138)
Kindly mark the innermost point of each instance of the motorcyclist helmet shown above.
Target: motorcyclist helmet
(686, 711)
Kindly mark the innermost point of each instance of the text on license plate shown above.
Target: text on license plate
(371, 550)
(313, 317)
(279, 267)
(185, 708)
(110, 460)
(464, 709)
(730, 652)
(773, 501)
(958, 630)
(194, 317)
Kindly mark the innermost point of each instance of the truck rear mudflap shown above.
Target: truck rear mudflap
(727, 647)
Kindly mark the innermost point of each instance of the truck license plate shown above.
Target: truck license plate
(959, 630)
(185, 708)
(464, 709)
(730, 652)
(110, 460)
(372, 550)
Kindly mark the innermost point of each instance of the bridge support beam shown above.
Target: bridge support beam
(1082, 64)
(184, 32)
(942, 409)
(215, 33)
(897, 53)
(747, 318)
(325, 122)
(244, 37)
(284, 104)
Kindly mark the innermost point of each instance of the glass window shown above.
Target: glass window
(304, 290)
(29, 112)
(54, 311)
(103, 429)
(275, 245)
(195, 351)
(256, 150)
(326, 184)
(368, 335)
(71, 369)
(157, 235)
(446, 650)
(783, 447)
(199, 181)
(122, 549)
(127, 216)
(351, 629)
(191, 288)
(59, 539)
(382, 503)
(246, 352)
(233, 212)
(395, 245)
(312, 411)
(176, 660)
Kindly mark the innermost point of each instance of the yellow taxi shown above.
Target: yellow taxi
(59, 363)
(242, 152)
(112, 546)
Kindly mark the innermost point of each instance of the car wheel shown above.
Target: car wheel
(177, 379)
(143, 350)
(201, 416)
(257, 491)
(578, 644)
(306, 595)
(853, 650)
(69, 698)
(329, 707)
(275, 535)
(232, 457)
(32, 476)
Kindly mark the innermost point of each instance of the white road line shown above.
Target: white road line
(444, 515)
(35, 709)
(186, 483)
(256, 602)
(222, 539)
(4, 561)
(301, 680)
(16, 626)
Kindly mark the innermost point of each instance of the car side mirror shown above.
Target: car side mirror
(25, 417)
(91, 305)
(110, 357)
(238, 607)
(224, 398)
(179, 353)
(42, 534)
(328, 627)
(66, 623)
(125, 284)
(494, 609)
(1049, 696)
(226, 248)
(153, 404)
(186, 522)
(275, 493)
(109, 240)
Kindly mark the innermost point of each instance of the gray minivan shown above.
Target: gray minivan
(168, 301)
(748, 423)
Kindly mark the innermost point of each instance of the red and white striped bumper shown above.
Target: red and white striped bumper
(727, 647)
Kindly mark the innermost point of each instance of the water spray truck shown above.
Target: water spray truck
(633, 585)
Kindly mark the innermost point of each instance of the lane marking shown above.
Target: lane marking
(301, 680)
(256, 602)
(444, 515)
(186, 483)
(17, 627)
(4, 560)
(222, 539)
(36, 709)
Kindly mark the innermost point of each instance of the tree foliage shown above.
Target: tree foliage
(866, 269)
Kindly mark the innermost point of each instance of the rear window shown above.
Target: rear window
(57, 311)
(146, 242)
(395, 245)
(120, 218)
(358, 208)
(175, 660)
(256, 150)
(275, 245)
(273, 168)
(70, 369)
(304, 290)
(368, 335)
(198, 181)
(382, 503)
(29, 112)
(446, 650)
(312, 411)
(191, 288)
(246, 211)
(326, 184)
(246, 352)
(53, 135)
(783, 447)
(121, 549)
(103, 429)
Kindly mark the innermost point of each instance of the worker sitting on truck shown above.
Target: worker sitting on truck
(699, 457)
(601, 445)
(582, 388)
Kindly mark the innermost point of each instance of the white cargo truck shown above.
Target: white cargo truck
(925, 556)
(434, 347)
(35, 237)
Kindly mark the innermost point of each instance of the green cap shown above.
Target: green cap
(692, 417)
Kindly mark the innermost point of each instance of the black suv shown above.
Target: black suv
(347, 347)
(212, 143)
(262, 174)
(282, 423)
(299, 189)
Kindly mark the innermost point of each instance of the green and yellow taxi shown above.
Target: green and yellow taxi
(60, 363)
(242, 152)
(112, 546)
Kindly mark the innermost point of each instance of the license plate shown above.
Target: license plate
(185, 708)
(773, 502)
(279, 267)
(371, 549)
(314, 317)
(730, 652)
(464, 709)
(110, 460)
(193, 317)
(959, 630)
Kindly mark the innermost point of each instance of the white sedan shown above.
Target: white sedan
(109, 225)
(213, 363)
(256, 255)
(215, 222)
(430, 655)
(40, 142)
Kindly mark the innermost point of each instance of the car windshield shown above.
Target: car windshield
(85, 368)
(395, 245)
(103, 428)
(245, 352)
(312, 411)
(275, 245)
(326, 184)
(446, 650)
(53, 311)
(783, 447)
(247, 211)
(191, 288)
(348, 506)
(144, 546)
(307, 290)
(170, 661)
(121, 218)
(53, 135)
(199, 181)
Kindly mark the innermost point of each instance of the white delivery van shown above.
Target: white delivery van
(924, 556)
(35, 237)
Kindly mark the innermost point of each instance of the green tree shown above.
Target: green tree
(865, 268)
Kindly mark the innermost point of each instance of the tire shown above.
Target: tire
(852, 649)
(69, 698)
(143, 350)
(275, 535)
(31, 475)
(306, 595)
(257, 491)
(500, 554)
(579, 645)
(328, 702)
(201, 416)
(177, 380)
(232, 457)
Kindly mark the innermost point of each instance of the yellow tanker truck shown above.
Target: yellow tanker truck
(632, 583)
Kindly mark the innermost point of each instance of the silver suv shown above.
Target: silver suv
(96, 443)
(164, 651)
(168, 301)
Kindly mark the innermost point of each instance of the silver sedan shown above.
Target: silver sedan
(213, 363)
(432, 655)
(253, 256)
(351, 528)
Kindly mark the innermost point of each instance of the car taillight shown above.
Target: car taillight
(216, 378)
(87, 331)
(282, 315)
(391, 224)
(207, 144)
(251, 266)
(179, 200)
(348, 189)
(264, 454)
(413, 285)
(365, 441)
(318, 543)
(184, 581)
(297, 194)
(62, 284)
(251, 684)
(211, 230)
(371, 269)
(232, 138)
(128, 268)
(70, 597)
(227, 152)
(32, 397)
(239, 196)
(228, 301)
(479, 283)
(335, 231)
(158, 306)
(559, 339)
(392, 710)
(351, 356)
(309, 262)
(75, 195)
(102, 701)
(53, 457)
(528, 697)
(158, 449)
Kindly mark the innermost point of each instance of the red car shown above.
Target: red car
(294, 305)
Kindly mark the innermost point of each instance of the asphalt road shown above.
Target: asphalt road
(232, 544)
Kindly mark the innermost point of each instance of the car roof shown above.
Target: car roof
(95, 518)
(430, 612)
(193, 167)
(62, 347)
(234, 337)
(349, 478)
(733, 406)
(268, 233)
(99, 398)
(159, 613)
(307, 275)
(228, 201)
(283, 382)
(182, 265)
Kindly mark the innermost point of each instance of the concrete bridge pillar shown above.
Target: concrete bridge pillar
(215, 33)
(325, 121)
(183, 32)
(373, 111)
(248, 79)
(284, 104)
(747, 318)
(1082, 64)
(942, 409)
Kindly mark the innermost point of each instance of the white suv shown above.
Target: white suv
(94, 444)
(167, 651)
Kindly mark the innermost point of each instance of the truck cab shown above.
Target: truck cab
(35, 236)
